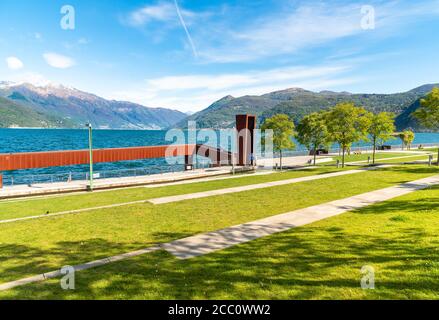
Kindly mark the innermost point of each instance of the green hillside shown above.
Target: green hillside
(297, 102)
(13, 114)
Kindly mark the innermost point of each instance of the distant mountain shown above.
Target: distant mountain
(13, 114)
(57, 106)
(69, 107)
(297, 102)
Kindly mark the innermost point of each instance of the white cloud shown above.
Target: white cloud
(14, 63)
(170, 15)
(30, 77)
(233, 81)
(83, 41)
(284, 33)
(76, 44)
(196, 92)
(161, 12)
(58, 61)
(297, 26)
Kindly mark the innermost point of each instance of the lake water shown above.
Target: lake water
(31, 140)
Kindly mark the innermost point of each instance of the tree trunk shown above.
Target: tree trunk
(342, 158)
(280, 153)
(374, 148)
(315, 155)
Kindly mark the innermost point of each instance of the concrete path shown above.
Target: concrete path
(206, 243)
(205, 194)
(414, 155)
(215, 178)
(292, 161)
(209, 242)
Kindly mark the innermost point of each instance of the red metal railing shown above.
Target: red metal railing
(32, 160)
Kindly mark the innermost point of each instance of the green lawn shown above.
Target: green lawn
(398, 238)
(423, 158)
(39, 206)
(36, 246)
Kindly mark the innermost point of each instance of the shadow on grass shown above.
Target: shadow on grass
(420, 206)
(416, 169)
(305, 263)
(19, 261)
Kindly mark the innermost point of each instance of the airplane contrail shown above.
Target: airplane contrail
(194, 50)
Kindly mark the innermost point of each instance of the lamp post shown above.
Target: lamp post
(90, 146)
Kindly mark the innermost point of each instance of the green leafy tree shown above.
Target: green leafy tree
(347, 124)
(283, 133)
(312, 132)
(381, 129)
(407, 138)
(428, 113)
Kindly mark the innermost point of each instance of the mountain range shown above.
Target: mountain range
(57, 106)
(297, 102)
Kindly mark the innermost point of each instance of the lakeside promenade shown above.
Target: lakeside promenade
(300, 161)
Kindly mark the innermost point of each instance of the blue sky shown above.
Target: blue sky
(187, 54)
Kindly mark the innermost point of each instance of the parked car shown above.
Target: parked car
(384, 147)
(318, 152)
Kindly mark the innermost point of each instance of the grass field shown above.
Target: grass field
(31, 247)
(412, 159)
(398, 238)
(21, 207)
(380, 157)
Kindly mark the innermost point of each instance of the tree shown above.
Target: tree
(312, 132)
(381, 129)
(283, 133)
(407, 138)
(347, 124)
(428, 113)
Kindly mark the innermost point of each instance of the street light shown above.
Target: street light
(90, 146)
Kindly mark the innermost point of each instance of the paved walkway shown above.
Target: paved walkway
(293, 161)
(206, 243)
(209, 242)
(413, 155)
(215, 178)
(205, 194)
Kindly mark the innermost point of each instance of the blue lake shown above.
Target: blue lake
(30, 140)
